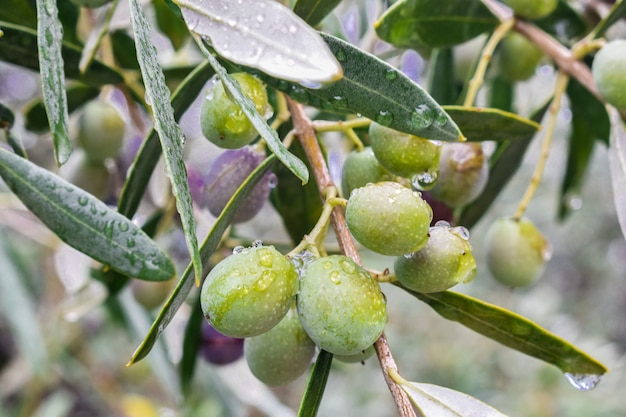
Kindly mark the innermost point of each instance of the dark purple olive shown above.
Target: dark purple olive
(440, 210)
(226, 174)
(218, 349)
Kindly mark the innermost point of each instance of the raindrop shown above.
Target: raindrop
(124, 226)
(83, 200)
(257, 243)
(347, 266)
(130, 242)
(424, 181)
(462, 232)
(442, 119)
(422, 117)
(546, 252)
(293, 29)
(341, 55)
(391, 74)
(260, 18)
(384, 118)
(238, 249)
(335, 277)
(583, 382)
(442, 223)
(339, 101)
(574, 202)
(310, 84)
(299, 94)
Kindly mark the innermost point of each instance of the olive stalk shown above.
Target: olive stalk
(305, 131)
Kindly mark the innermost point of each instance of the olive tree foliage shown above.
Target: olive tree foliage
(352, 78)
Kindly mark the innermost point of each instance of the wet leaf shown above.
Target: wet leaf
(433, 23)
(19, 12)
(211, 242)
(49, 41)
(434, 400)
(170, 134)
(479, 124)
(84, 222)
(170, 24)
(617, 165)
(124, 49)
(191, 346)
(314, 11)
(511, 330)
(263, 34)
(316, 385)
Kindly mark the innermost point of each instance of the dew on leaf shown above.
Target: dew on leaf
(341, 55)
(384, 118)
(391, 74)
(130, 242)
(422, 117)
(83, 200)
(583, 382)
(124, 226)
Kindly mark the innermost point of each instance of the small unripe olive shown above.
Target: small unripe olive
(402, 154)
(609, 73)
(516, 251)
(360, 169)
(445, 261)
(532, 9)
(100, 130)
(388, 218)
(518, 57)
(222, 120)
(151, 294)
(340, 305)
(282, 354)
(249, 292)
(463, 174)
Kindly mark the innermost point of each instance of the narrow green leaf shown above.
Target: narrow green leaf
(314, 11)
(18, 46)
(316, 385)
(587, 107)
(376, 90)
(77, 95)
(512, 330)
(211, 242)
(84, 222)
(503, 165)
(617, 12)
(263, 34)
(479, 124)
(501, 94)
(170, 24)
(170, 134)
(49, 41)
(20, 309)
(271, 137)
(124, 49)
(148, 156)
(617, 165)
(434, 400)
(19, 12)
(7, 118)
(191, 346)
(434, 23)
(442, 81)
(68, 15)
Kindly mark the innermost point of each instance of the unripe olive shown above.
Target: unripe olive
(532, 9)
(249, 292)
(360, 169)
(445, 261)
(388, 218)
(516, 251)
(340, 305)
(222, 120)
(518, 57)
(463, 174)
(609, 73)
(151, 294)
(282, 354)
(217, 348)
(402, 154)
(100, 131)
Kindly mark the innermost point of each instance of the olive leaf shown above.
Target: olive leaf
(480, 124)
(316, 385)
(170, 134)
(436, 401)
(49, 42)
(314, 11)
(84, 222)
(617, 165)
(263, 34)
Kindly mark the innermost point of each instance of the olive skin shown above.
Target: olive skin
(101, 131)
(518, 57)
(361, 168)
(532, 9)
(609, 73)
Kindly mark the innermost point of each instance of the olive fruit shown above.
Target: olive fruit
(217, 348)
(445, 261)
(532, 9)
(609, 73)
(226, 174)
(516, 251)
(388, 218)
(463, 174)
(100, 130)
(340, 305)
(249, 292)
(402, 154)
(151, 294)
(518, 57)
(361, 168)
(222, 120)
(282, 354)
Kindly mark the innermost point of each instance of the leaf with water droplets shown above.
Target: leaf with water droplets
(434, 400)
(480, 123)
(49, 41)
(170, 134)
(511, 330)
(434, 23)
(263, 34)
(617, 165)
(83, 221)
(314, 11)
(211, 242)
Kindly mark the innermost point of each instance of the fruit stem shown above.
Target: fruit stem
(346, 127)
(282, 113)
(306, 133)
(559, 90)
(384, 276)
(479, 75)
